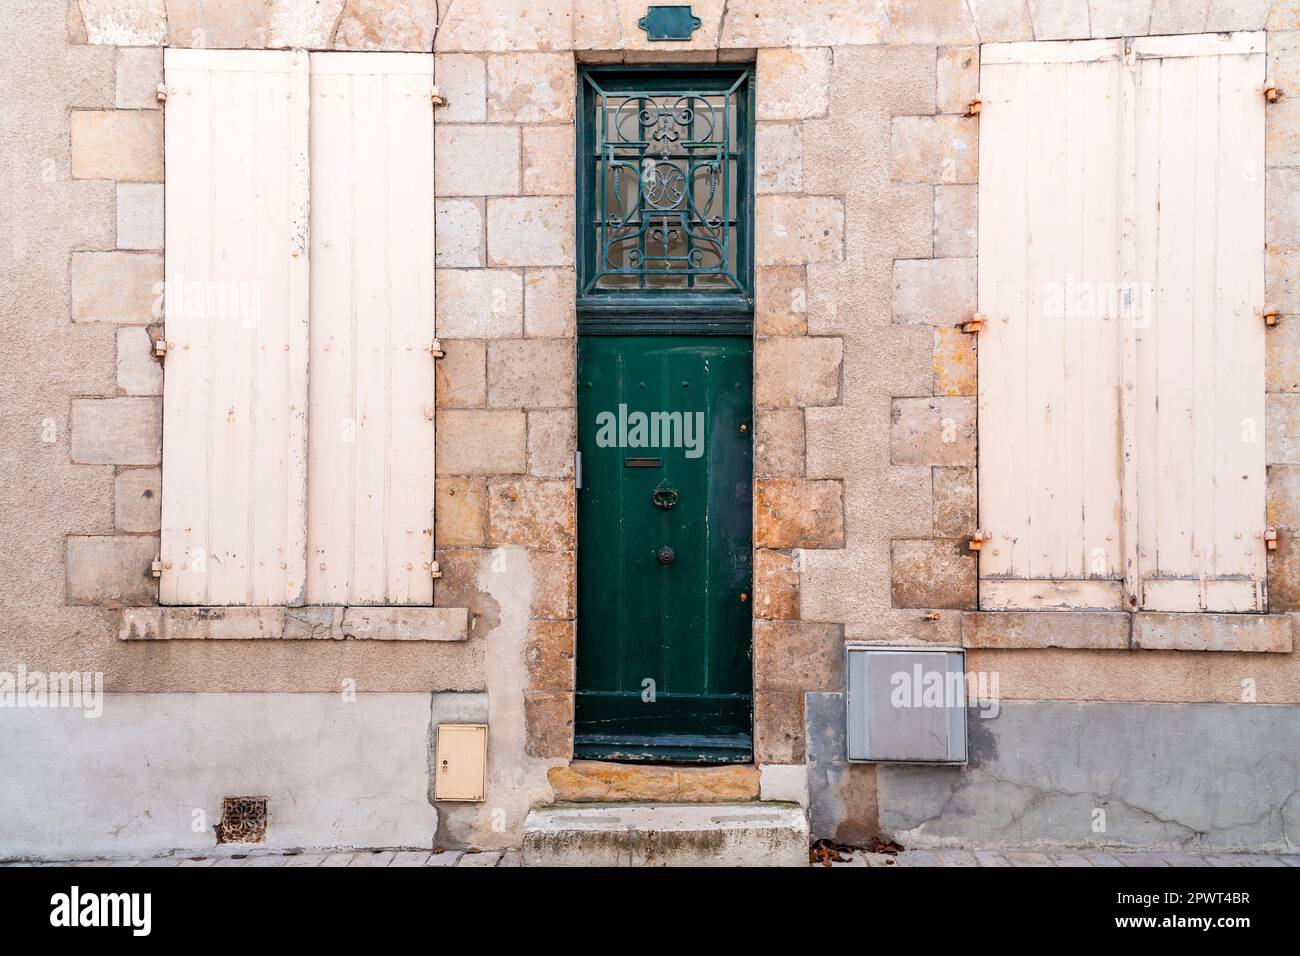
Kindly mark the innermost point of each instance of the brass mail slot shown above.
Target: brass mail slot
(642, 462)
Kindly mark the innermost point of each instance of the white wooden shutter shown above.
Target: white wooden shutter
(370, 494)
(1199, 129)
(1121, 446)
(1049, 360)
(236, 320)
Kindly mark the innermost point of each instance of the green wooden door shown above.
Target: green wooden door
(664, 548)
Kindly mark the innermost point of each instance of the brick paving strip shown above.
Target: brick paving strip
(908, 858)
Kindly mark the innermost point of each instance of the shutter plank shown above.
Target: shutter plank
(370, 500)
(229, 495)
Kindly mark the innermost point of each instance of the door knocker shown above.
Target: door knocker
(665, 496)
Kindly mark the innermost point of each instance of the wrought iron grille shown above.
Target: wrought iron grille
(667, 175)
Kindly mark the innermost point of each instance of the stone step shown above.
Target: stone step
(667, 834)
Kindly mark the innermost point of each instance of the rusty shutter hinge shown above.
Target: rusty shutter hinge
(439, 101)
(975, 108)
(434, 570)
(974, 325)
(157, 568)
(1272, 93)
(1270, 317)
(1270, 539)
(162, 93)
(160, 348)
(977, 540)
(435, 349)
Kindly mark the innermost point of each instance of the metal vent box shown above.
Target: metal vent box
(906, 704)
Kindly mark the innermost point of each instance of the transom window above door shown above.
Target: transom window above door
(665, 187)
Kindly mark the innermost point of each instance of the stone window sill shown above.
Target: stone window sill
(1121, 630)
(294, 623)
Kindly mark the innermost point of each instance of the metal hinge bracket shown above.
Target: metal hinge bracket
(1270, 539)
(974, 325)
(157, 568)
(439, 101)
(977, 540)
(435, 349)
(162, 93)
(1270, 317)
(975, 108)
(1272, 93)
(160, 348)
(434, 570)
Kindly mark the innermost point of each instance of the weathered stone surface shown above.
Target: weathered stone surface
(116, 431)
(780, 301)
(954, 361)
(126, 145)
(778, 23)
(796, 372)
(589, 781)
(1282, 417)
(1265, 633)
(138, 371)
(387, 25)
(292, 24)
(524, 231)
(140, 216)
(405, 623)
(778, 149)
(1024, 788)
(552, 442)
(1282, 208)
(956, 220)
(471, 442)
(125, 22)
(841, 795)
(1282, 133)
(1284, 15)
(460, 376)
(1283, 497)
(515, 25)
(531, 373)
(530, 88)
(118, 287)
(479, 303)
(1282, 280)
(111, 570)
(954, 513)
(934, 291)
(934, 23)
(1059, 19)
(793, 230)
(671, 834)
(776, 586)
(938, 573)
(796, 513)
(1001, 21)
(1284, 62)
(460, 512)
(203, 623)
(1178, 16)
(959, 78)
(462, 80)
(220, 26)
(932, 431)
(137, 500)
(549, 297)
(548, 718)
(459, 233)
(793, 84)
(935, 149)
(554, 584)
(477, 160)
(609, 27)
(537, 514)
(139, 71)
(1282, 357)
(778, 726)
(779, 443)
(786, 783)
(549, 655)
(1119, 18)
(548, 160)
(1019, 629)
(1284, 573)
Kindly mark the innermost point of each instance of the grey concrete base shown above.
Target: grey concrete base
(749, 834)
(1192, 777)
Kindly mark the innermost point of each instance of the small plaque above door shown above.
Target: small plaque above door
(669, 23)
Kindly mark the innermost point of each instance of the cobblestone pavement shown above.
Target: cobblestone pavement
(859, 858)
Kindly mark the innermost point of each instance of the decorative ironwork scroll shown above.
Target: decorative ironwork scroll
(668, 188)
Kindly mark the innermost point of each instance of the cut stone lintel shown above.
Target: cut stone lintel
(1120, 630)
(294, 623)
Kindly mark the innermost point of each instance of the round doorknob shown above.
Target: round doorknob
(666, 555)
